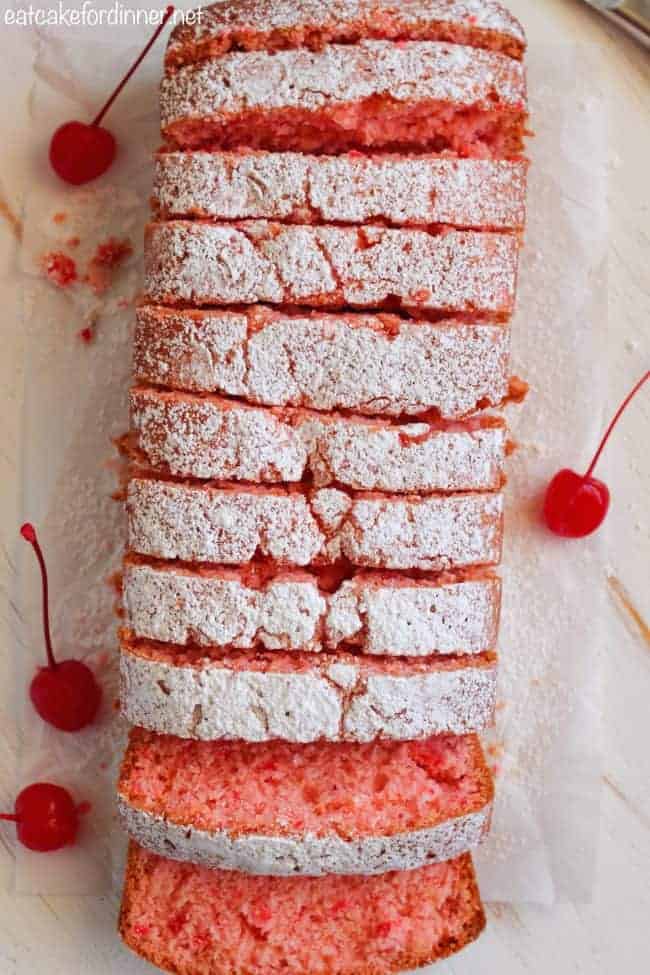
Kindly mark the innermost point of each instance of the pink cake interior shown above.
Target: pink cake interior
(195, 921)
(295, 661)
(282, 788)
(375, 122)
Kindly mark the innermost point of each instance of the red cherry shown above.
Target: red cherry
(576, 505)
(46, 817)
(65, 694)
(80, 152)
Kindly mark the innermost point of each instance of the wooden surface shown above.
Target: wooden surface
(73, 936)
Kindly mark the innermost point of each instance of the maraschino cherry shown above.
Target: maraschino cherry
(46, 817)
(576, 505)
(65, 694)
(81, 152)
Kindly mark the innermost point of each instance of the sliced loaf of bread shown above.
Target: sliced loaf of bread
(370, 364)
(302, 697)
(418, 190)
(209, 437)
(191, 920)
(232, 524)
(457, 271)
(375, 613)
(412, 95)
(286, 809)
(272, 25)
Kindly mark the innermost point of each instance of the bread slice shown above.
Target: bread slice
(355, 189)
(251, 25)
(202, 263)
(232, 524)
(414, 95)
(191, 920)
(375, 613)
(209, 437)
(302, 697)
(366, 363)
(286, 809)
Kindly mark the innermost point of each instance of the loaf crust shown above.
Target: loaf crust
(209, 437)
(376, 614)
(276, 24)
(200, 263)
(303, 697)
(309, 856)
(356, 189)
(365, 363)
(232, 524)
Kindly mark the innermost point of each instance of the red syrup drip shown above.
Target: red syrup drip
(577, 504)
(66, 693)
(80, 152)
(46, 817)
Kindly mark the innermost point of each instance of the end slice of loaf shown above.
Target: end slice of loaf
(354, 189)
(251, 25)
(233, 524)
(191, 920)
(208, 437)
(302, 697)
(283, 809)
(199, 263)
(373, 613)
(414, 95)
(365, 363)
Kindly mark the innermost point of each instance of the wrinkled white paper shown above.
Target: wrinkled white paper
(542, 846)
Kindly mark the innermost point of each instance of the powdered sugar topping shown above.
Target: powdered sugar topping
(230, 526)
(416, 190)
(348, 361)
(200, 437)
(204, 264)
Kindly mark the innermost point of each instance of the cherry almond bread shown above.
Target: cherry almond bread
(192, 920)
(314, 489)
(286, 809)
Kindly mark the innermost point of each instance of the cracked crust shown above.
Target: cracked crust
(251, 261)
(303, 697)
(207, 437)
(375, 614)
(412, 94)
(278, 24)
(231, 525)
(354, 189)
(433, 912)
(366, 363)
(289, 819)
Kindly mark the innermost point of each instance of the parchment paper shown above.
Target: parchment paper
(542, 846)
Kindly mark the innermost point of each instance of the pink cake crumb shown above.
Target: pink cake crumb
(194, 921)
(60, 269)
(281, 788)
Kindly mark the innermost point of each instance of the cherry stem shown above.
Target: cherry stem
(617, 416)
(168, 12)
(29, 534)
(9, 818)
